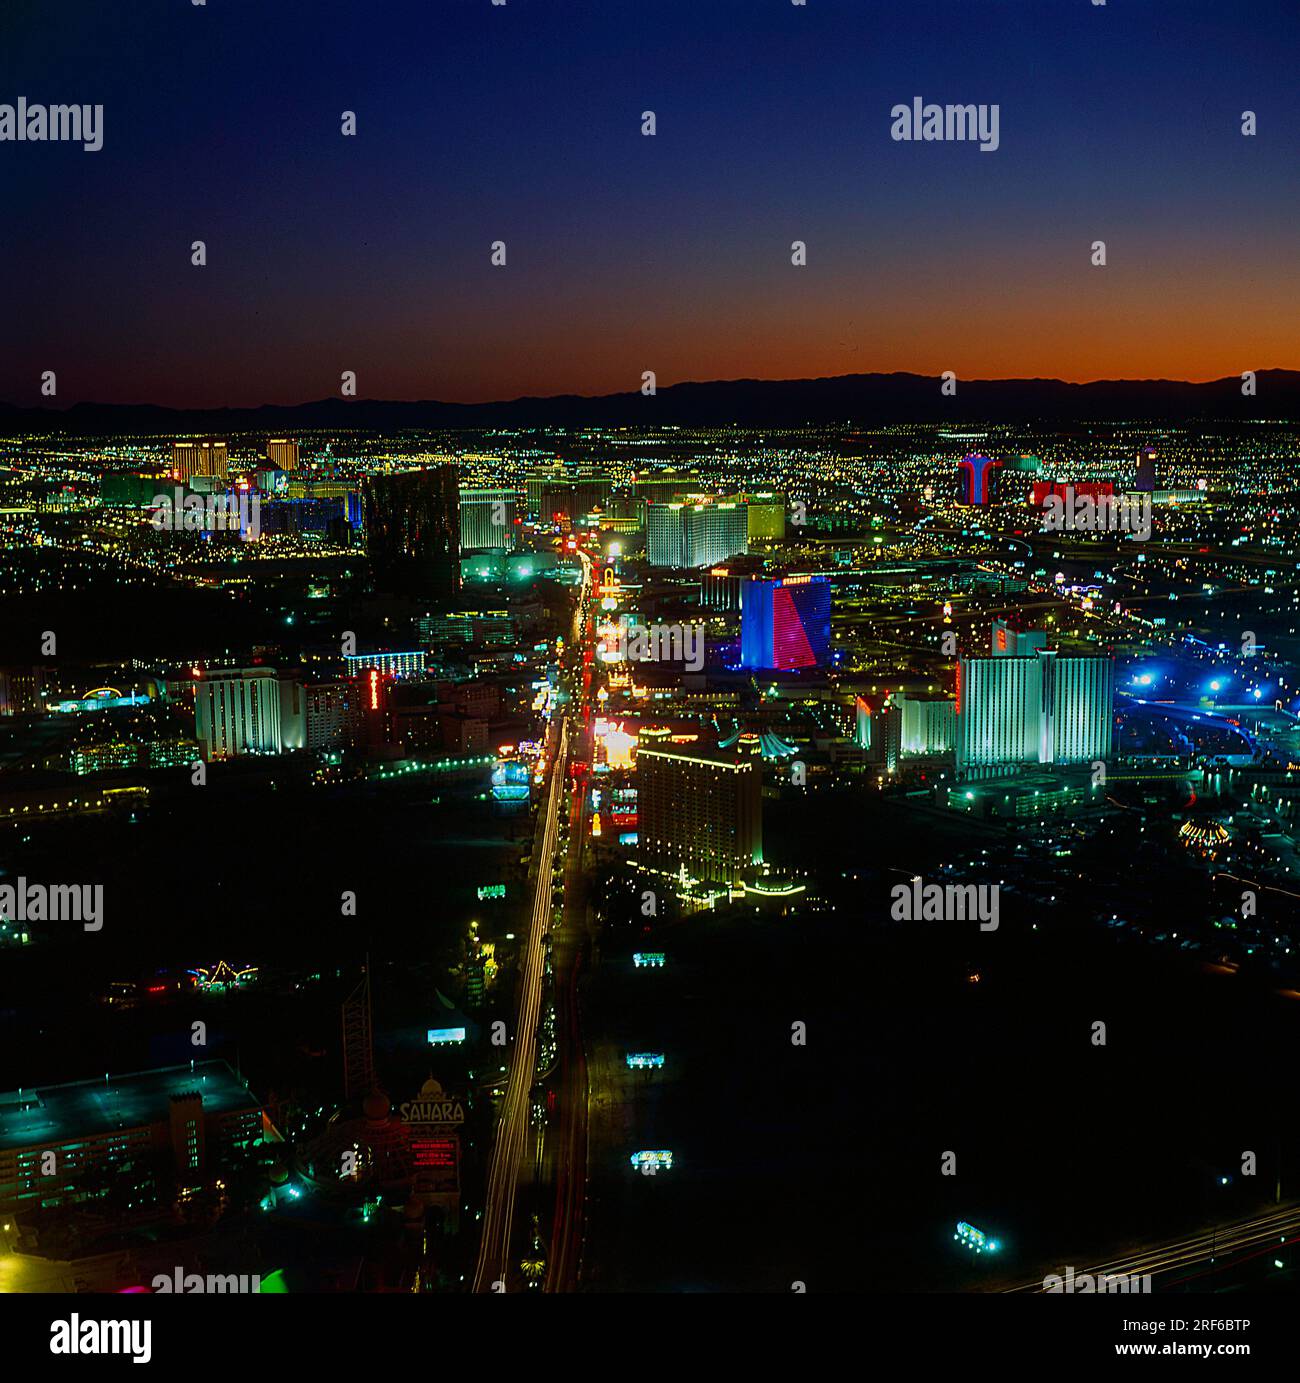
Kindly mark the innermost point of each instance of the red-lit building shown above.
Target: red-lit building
(1092, 489)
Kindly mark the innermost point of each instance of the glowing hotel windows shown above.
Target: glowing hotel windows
(703, 814)
(785, 624)
(1039, 708)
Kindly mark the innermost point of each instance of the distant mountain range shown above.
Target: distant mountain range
(861, 400)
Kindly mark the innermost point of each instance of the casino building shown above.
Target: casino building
(202, 457)
(248, 711)
(786, 624)
(1032, 707)
(696, 534)
(488, 519)
(699, 811)
(412, 522)
(977, 479)
(120, 1133)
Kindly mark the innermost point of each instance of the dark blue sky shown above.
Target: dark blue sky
(522, 123)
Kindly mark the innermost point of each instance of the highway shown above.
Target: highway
(512, 1125)
(511, 1134)
(571, 940)
(1188, 1260)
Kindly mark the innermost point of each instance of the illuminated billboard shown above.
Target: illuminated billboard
(510, 781)
(975, 1238)
(652, 1159)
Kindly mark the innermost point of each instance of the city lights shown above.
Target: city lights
(496, 495)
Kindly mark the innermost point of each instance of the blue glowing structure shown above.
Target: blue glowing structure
(975, 1238)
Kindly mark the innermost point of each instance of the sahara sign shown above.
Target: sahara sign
(433, 1107)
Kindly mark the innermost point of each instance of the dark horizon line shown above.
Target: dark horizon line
(856, 400)
(57, 410)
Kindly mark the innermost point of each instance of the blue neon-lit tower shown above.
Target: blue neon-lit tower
(785, 624)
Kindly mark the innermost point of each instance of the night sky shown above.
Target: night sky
(625, 253)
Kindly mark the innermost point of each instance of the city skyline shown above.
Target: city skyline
(649, 648)
(584, 727)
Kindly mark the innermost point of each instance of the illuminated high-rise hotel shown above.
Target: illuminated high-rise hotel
(251, 711)
(928, 724)
(413, 532)
(695, 535)
(663, 535)
(204, 457)
(188, 1121)
(698, 811)
(282, 452)
(977, 479)
(488, 519)
(1037, 708)
(785, 624)
(565, 494)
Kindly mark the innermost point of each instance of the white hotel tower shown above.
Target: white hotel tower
(248, 711)
(1033, 708)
